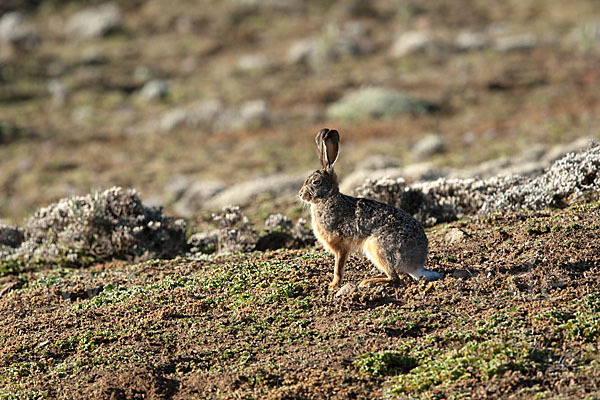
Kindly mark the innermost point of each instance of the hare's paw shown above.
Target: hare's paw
(335, 284)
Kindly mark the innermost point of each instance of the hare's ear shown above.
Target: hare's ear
(328, 145)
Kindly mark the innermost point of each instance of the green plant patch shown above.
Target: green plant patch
(385, 363)
(475, 360)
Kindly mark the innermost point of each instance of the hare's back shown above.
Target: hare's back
(380, 219)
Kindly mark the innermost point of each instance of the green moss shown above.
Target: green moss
(475, 360)
(385, 363)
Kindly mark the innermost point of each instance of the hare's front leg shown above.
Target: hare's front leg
(341, 256)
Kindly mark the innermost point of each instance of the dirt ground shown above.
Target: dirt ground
(516, 316)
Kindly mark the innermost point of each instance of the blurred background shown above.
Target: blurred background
(197, 104)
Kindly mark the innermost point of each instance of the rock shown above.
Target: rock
(93, 56)
(335, 42)
(515, 42)
(278, 222)
(300, 51)
(103, 225)
(455, 235)
(462, 274)
(250, 115)
(585, 37)
(445, 200)
(424, 171)
(58, 92)
(142, 73)
(175, 188)
(11, 236)
(410, 173)
(203, 242)
(376, 102)
(429, 146)
(236, 233)
(471, 41)
(16, 32)
(154, 90)
(359, 176)
(173, 119)
(377, 162)
(203, 113)
(255, 113)
(346, 290)
(252, 63)
(82, 114)
(243, 193)
(413, 42)
(94, 22)
(196, 195)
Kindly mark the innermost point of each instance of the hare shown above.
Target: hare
(390, 238)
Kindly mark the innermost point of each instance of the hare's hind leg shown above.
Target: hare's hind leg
(373, 253)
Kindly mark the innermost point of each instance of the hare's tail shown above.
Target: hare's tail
(425, 274)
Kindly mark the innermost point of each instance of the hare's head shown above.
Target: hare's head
(323, 182)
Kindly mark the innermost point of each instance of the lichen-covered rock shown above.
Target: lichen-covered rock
(376, 102)
(573, 174)
(236, 233)
(245, 192)
(278, 222)
(444, 200)
(414, 42)
(94, 22)
(102, 225)
(333, 43)
(303, 233)
(15, 31)
(414, 201)
(281, 233)
(203, 242)
(429, 145)
(10, 237)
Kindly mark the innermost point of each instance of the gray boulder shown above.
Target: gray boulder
(196, 195)
(376, 102)
(16, 32)
(429, 145)
(251, 114)
(155, 89)
(245, 192)
(414, 42)
(94, 22)
(471, 41)
(516, 42)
